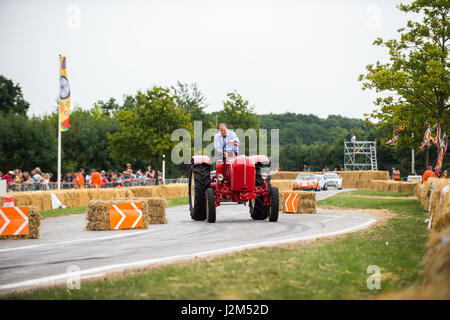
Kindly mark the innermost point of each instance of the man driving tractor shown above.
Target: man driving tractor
(226, 141)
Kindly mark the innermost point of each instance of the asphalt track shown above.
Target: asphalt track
(67, 251)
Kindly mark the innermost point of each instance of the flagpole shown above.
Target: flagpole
(59, 127)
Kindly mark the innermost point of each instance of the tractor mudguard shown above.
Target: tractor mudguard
(260, 159)
(200, 160)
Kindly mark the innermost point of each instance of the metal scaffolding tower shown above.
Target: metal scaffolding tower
(362, 155)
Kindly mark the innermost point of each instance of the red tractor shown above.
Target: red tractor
(236, 179)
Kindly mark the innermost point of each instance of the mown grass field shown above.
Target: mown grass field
(323, 269)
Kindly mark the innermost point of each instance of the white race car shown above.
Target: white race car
(334, 180)
(322, 182)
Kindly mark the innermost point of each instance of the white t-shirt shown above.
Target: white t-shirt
(37, 177)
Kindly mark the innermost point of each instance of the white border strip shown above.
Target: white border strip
(60, 278)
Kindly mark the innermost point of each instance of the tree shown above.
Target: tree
(146, 129)
(108, 108)
(26, 143)
(416, 81)
(189, 98)
(11, 97)
(237, 114)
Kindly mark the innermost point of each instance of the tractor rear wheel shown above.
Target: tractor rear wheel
(274, 204)
(198, 183)
(210, 204)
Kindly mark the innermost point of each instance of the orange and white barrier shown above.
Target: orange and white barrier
(291, 202)
(125, 216)
(14, 221)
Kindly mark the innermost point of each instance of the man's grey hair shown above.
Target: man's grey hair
(223, 125)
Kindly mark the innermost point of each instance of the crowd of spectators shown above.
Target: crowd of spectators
(37, 180)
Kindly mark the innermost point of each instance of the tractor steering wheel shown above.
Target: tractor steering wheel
(229, 153)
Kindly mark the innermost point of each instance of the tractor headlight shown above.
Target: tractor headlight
(265, 173)
(220, 177)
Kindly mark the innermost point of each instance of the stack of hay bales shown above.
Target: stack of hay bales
(436, 284)
(153, 212)
(361, 179)
(78, 198)
(34, 223)
(306, 201)
(437, 261)
(393, 186)
(437, 265)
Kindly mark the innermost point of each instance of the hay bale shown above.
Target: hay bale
(441, 219)
(284, 185)
(73, 198)
(109, 194)
(417, 190)
(393, 186)
(153, 212)
(34, 222)
(437, 260)
(142, 192)
(435, 196)
(407, 187)
(170, 191)
(286, 175)
(426, 192)
(432, 291)
(157, 210)
(419, 197)
(306, 201)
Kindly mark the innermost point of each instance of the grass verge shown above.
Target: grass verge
(63, 212)
(374, 193)
(322, 269)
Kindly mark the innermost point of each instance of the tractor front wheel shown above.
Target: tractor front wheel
(198, 183)
(210, 205)
(274, 204)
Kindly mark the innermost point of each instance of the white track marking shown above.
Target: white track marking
(24, 223)
(121, 220)
(6, 221)
(60, 278)
(138, 218)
